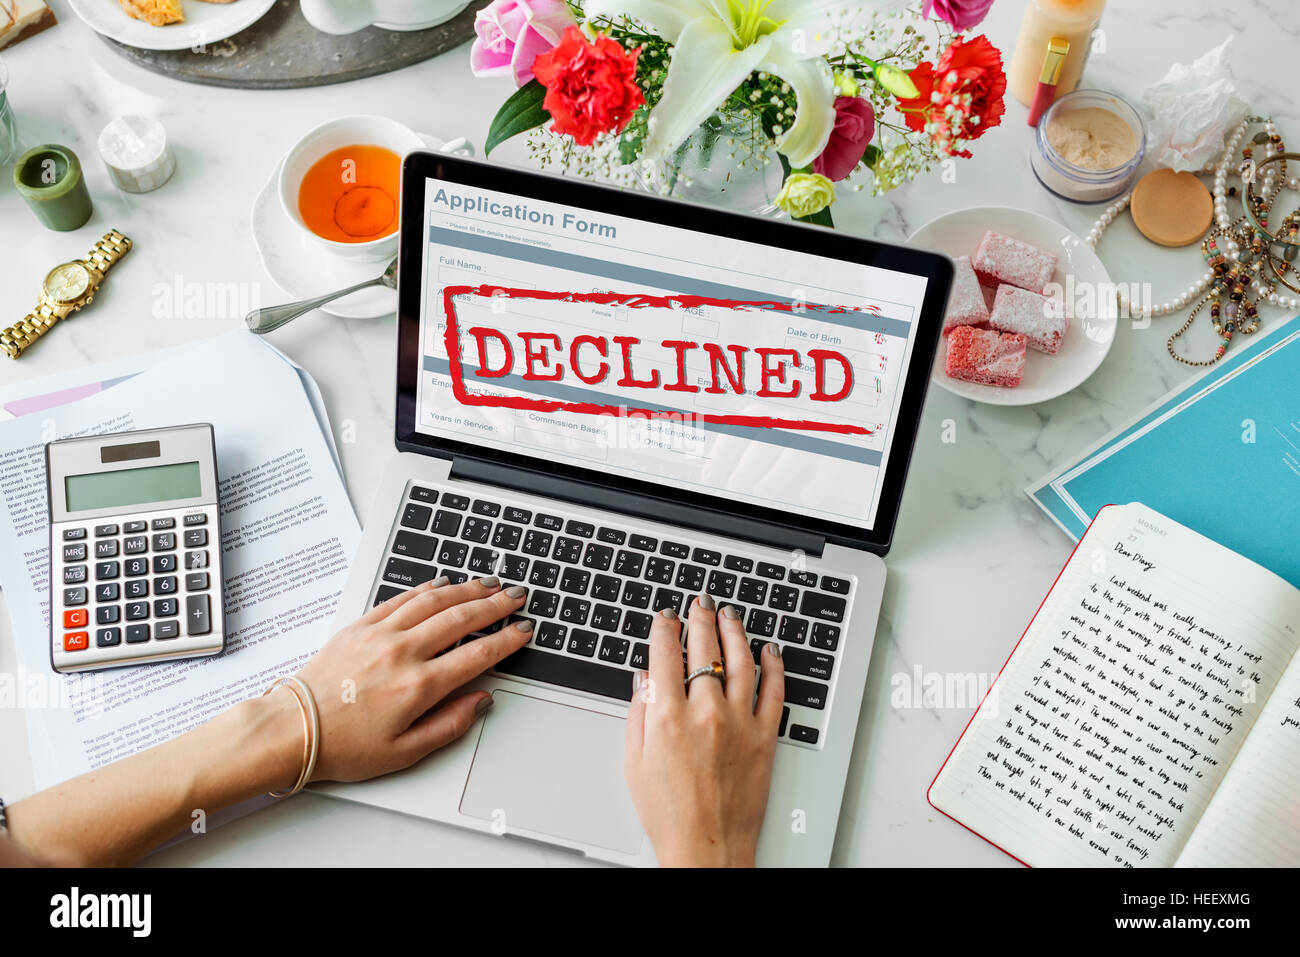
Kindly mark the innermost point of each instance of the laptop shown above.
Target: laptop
(621, 402)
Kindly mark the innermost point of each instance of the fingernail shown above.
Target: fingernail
(490, 582)
(638, 679)
(774, 649)
(525, 626)
(706, 602)
(668, 613)
(731, 611)
(440, 581)
(516, 591)
(483, 704)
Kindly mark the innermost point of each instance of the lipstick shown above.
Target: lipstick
(1058, 48)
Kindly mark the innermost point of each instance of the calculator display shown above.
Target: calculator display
(155, 483)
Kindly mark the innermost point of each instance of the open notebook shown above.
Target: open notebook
(1149, 716)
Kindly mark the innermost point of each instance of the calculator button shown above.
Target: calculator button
(197, 581)
(72, 574)
(164, 541)
(74, 553)
(134, 567)
(167, 629)
(162, 524)
(106, 549)
(135, 610)
(76, 641)
(196, 538)
(164, 563)
(107, 614)
(194, 518)
(136, 634)
(103, 530)
(165, 585)
(74, 618)
(131, 528)
(74, 596)
(196, 560)
(136, 588)
(73, 534)
(135, 545)
(107, 570)
(107, 637)
(165, 608)
(196, 615)
(108, 592)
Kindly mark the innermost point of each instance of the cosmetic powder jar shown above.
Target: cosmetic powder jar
(1088, 146)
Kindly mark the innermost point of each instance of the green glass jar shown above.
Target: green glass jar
(49, 178)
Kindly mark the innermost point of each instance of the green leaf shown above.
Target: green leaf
(819, 219)
(871, 156)
(519, 114)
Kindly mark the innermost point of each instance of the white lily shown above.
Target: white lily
(719, 43)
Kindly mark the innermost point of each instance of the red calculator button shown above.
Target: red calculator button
(75, 618)
(76, 641)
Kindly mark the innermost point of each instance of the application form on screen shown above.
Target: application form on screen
(710, 364)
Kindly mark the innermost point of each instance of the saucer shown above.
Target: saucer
(304, 269)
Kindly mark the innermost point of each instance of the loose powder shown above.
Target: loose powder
(1092, 138)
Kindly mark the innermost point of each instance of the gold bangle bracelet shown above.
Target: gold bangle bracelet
(310, 730)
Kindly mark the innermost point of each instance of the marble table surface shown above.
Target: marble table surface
(972, 556)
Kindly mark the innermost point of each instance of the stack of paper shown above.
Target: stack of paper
(286, 543)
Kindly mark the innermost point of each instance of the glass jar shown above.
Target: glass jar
(1076, 183)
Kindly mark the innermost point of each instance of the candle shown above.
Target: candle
(49, 178)
(135, 150)
(1073, 22)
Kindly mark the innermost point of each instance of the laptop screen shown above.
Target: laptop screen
(644, 350)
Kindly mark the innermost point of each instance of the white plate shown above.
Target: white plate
(204, 23)
(1093, 318)
(304, 269)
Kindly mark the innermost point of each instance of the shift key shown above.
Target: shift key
(197, 615)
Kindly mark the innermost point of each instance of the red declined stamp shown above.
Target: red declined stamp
(589, 360)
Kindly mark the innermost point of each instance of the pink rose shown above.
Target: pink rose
(962, 14)
(855, 125)
(514, 33)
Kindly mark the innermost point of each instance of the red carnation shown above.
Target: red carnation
(969, 78)
(590, 87)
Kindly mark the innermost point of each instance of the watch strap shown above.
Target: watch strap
(112, 247)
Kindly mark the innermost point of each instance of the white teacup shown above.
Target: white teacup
(336, 134)
(349, 16)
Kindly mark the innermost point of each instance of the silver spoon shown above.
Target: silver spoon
(263, 320)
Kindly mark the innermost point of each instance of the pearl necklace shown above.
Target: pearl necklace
(1269, 187)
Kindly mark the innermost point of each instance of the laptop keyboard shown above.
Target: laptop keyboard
(593, 590)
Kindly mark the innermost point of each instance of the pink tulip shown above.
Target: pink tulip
(855, 125)
(514, 33)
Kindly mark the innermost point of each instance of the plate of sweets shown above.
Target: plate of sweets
(1032, 312)
(170, 24)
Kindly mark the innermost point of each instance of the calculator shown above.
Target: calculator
(135, 548)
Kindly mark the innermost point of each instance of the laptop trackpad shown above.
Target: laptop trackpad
(553, 769)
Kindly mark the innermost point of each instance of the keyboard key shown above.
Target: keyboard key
(421, 494)
(812, 664)
(643, 543)
(810, 694)
(445, 523)
(544, 604)
(164, 541)
(582, 642)
(637, 594)
(598, 556)
(690, 577)
(629, 564)
(161, 524)
(416, 516)
(569, 672)
(768, 570)
(74, 596)
(807, 579)
(552, 523)
(752, 591)
(581, 529)
(483, 561)
(106, 548)
(575, 581)
(545, 574)
(552, 635)
(164, 563)
(165, 608)
(75, 618)
(507, 537)
(484, 507)
(667, 598)
(198, 581)
(72, 574)
(793, 630)
(824, 636)
(567, 550)
(415, 545)
(721, 584)
(135, 634)
(537, 543)
(611, 536)
(737, 564)
(108, 637)
(73, 534)
(80, 641)
(614, 650)
(706, 557)
(740, 611)
(799, 733)
(785, 718)
(136, 610)
(197, 610)
(476, 530)
(382, 595)
(195, 538)
(190, 520)
(453, 554)
(167, 629)
(640, 656)
(74, 553)
(674, 550)
(514, 567)
(520, 516)
(109, 591)
(135, 567)
(575, 611)
(606, 588)
(838, 585)
(817, 605)
(660, 570)
(399, 571)
(761, 622)
(135, 545)
(458, 502)
(636, 624)
(606, 618)
(103, 530)
(165, 585)
(453, 576)
(107, 570)
(783, 598)
(107, 614)
(196, 560)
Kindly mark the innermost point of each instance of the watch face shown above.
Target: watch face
(67, 282)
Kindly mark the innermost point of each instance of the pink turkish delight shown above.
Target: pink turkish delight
(986, 356)
(1033, 316)
(1001, 259)
(966, 305)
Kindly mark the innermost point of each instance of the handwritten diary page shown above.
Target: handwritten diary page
(1119, 713)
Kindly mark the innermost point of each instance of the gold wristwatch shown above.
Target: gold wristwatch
(66, 289)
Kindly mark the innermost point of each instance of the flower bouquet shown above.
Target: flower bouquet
(810, 96)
